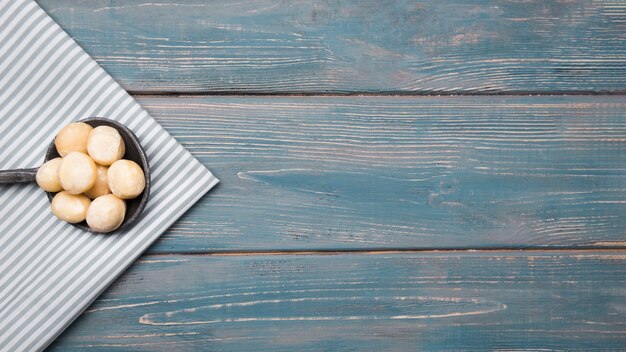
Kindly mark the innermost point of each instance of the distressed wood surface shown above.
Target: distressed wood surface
(364, 173)
(409, 172)
(353, 45)
(385, 302)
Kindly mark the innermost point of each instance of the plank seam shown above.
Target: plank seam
(140, 93)
(391, 251)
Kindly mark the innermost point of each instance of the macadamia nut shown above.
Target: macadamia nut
(105, 145)
(101, 186)
(126, 179)
(70, 207)
(73, 138)
(106, 213)
(77, 173)
(47, 176)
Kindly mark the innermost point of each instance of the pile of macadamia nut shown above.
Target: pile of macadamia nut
(91, 178)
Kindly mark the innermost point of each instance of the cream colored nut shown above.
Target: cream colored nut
(105, 145)
(70, 207)
(47, 176)
(73, 138)
(106, 213)
(101, 186)
(77, 173)
(126, 179)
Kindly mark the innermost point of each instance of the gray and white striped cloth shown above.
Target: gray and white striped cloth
(50, 271)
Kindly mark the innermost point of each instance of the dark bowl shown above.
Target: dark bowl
(134, 152)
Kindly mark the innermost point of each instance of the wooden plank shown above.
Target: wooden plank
(365, 172)
(353, 45)
(383, 172)
(401, 172)
(386, 302)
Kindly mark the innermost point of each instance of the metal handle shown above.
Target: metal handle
(18, 175)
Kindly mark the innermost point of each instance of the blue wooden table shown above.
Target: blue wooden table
(396, 175)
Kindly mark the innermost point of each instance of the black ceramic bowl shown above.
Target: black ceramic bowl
(134, 152)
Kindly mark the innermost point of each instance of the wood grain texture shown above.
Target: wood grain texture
(408, 172)
(353, 45)
(387, 302)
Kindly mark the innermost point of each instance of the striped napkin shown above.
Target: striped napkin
(51, 271)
